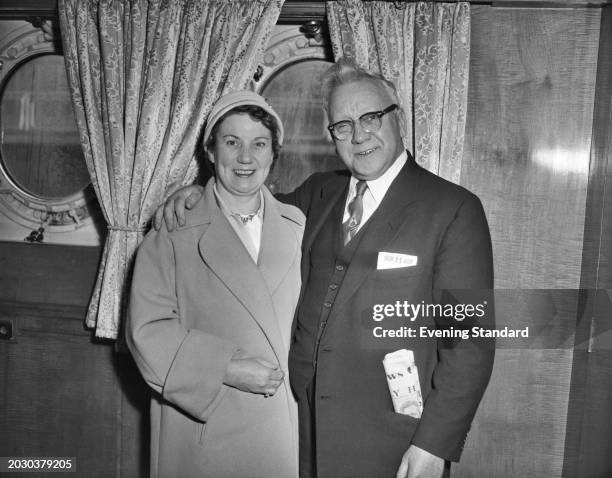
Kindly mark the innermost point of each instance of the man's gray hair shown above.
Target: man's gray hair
(347, 71)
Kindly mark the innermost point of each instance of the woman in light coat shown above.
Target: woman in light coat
(211, 309)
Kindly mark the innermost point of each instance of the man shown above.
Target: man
(384, 212)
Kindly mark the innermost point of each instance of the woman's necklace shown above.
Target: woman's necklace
(245, 218)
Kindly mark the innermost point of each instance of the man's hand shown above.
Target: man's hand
(184, 198)
(254, 375)
(418, 463)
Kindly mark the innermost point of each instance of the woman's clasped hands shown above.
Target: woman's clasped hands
(253, 374)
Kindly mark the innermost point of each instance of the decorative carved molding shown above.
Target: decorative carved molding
(60, 215)
(50, 28)
(289, 45)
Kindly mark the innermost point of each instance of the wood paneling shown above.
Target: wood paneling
(27, 8)
(528, 138)
(59, 395)
(47, 273)
(520, 427)
(597, 254)
(589, 440)
(62, 392)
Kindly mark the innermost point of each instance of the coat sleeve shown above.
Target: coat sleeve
(463, 273)
(185, 366)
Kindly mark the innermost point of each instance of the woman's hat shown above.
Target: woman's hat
(240, 98)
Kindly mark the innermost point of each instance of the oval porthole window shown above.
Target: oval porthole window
(295, 93)
(40, 146)
(289, 77)
(44, 182)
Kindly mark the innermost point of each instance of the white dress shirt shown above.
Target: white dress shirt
(375, 192)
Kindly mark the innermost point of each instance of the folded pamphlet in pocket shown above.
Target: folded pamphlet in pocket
(403, 380)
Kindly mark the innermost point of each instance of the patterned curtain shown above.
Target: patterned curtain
(424, 48)
(143, 76)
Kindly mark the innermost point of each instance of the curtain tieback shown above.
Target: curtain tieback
(126, 229)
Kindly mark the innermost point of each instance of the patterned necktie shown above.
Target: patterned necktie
(355, 209)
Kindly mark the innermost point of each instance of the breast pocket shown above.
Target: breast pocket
(407, 283)
(387, 286)
(400, 272)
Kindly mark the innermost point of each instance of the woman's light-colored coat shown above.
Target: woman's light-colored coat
(197, 297)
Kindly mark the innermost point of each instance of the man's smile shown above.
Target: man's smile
(366, 152)
(244, 173)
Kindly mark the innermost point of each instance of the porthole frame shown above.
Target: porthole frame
(63, 214)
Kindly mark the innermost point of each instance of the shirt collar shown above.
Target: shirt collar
(379, 186)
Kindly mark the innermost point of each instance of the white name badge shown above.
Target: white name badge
(392, 260)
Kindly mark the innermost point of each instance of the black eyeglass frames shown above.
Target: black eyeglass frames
(370, 122)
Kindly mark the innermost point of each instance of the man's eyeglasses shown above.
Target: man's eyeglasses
(370, 122)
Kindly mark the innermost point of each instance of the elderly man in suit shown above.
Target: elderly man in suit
(384, 209)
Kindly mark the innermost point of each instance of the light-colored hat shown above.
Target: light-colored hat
(240, 98)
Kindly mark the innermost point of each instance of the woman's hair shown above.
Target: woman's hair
(346, 71)
(256, 114)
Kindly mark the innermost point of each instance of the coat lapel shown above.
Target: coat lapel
(382, 228)
(223, 252)
(279, 245)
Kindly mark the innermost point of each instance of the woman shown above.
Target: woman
(211, 309)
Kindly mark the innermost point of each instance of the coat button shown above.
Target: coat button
(339, 267)
(327, 304)
(333, 286)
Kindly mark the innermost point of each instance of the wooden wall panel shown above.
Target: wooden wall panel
(528, 137)
(47, 273)
(62, 392)
(59, 396)
(520, 427)
(597, 254)
(589, 440)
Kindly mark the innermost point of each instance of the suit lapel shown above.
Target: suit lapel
(380, 230)
(329, 193)
(223, 252)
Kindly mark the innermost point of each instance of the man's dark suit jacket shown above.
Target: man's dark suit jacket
(345, 396)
